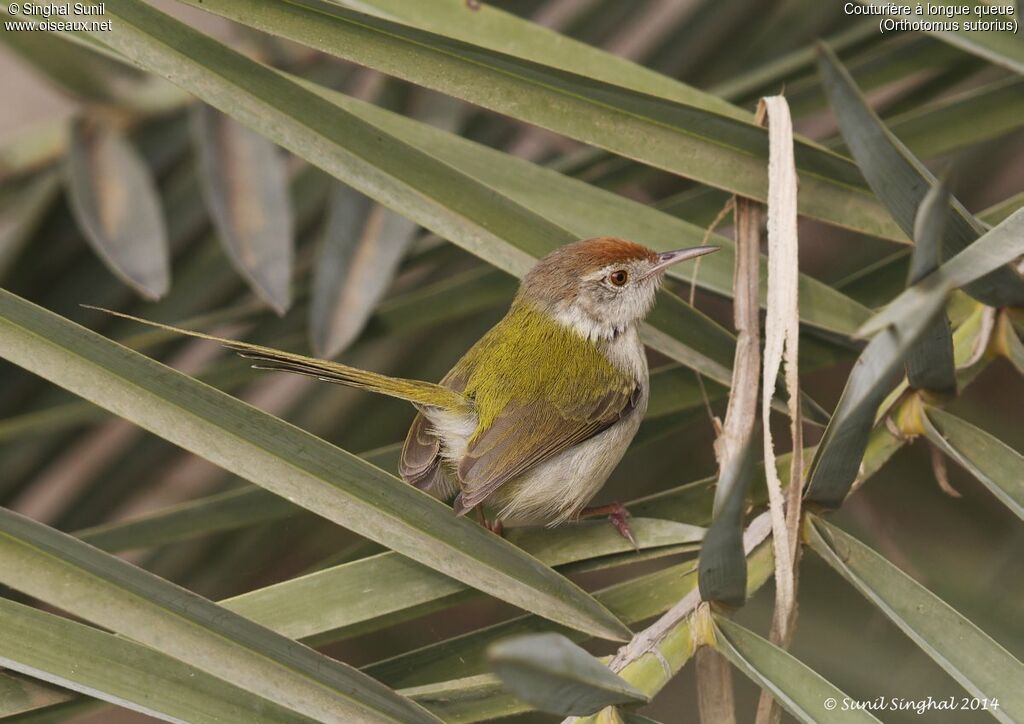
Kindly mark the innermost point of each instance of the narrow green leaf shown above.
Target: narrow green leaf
(896, 328)
(504, 32)
(878, 283)
(995, 39)
(930, 362)
(82, 74)
(470, 699)
(70, 575)
(215, 513)
(947, 125)
(346, 596)
(963, 119)
(998, 213)
(115, 201)
(22, 207)
(122, 672)
(878, 370)
(635, 600)
(359, 254)
(993, 462)
(996, 248)
(803, 692)
(901, 181)
(555, 675)
(722, 562)
(687, 140)
(979, 664)
(20, 694)
(289, 462)
(245, 185)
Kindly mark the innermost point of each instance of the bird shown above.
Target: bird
(533, 419)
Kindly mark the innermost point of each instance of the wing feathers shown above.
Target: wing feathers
(525, 436)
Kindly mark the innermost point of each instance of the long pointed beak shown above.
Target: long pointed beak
(668, 258)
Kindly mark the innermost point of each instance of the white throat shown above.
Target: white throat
(594, 330)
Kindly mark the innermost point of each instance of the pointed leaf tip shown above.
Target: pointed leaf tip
(114, 199)
(244, 181)
(555, 675)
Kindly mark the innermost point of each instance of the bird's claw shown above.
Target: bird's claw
(495, 526)
(620, 519)
(618, 516)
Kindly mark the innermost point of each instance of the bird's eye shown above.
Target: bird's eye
(619, 277)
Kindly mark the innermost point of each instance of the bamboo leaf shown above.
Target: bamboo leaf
(979, 664)
(120, 671)
(687, 140)
(930, 362)
(801, 690)
(71, 575)
(245, 185)
(114, 199)
(289, 462)
(901, 181)
(993, 462)
(359, 254)
(555, 675)
(997, 44)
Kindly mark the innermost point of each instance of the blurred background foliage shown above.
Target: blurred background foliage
(123, 191)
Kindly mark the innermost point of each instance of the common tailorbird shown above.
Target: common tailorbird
(536, 415)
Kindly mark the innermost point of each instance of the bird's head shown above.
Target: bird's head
(602, 286)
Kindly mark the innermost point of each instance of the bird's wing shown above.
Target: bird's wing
(525, 434)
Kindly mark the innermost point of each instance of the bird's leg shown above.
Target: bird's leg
(495, 526)
(617, 514)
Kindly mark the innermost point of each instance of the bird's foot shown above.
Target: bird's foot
(495, 526)
(619, 517)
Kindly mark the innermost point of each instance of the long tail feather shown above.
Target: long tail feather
(424, 394)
